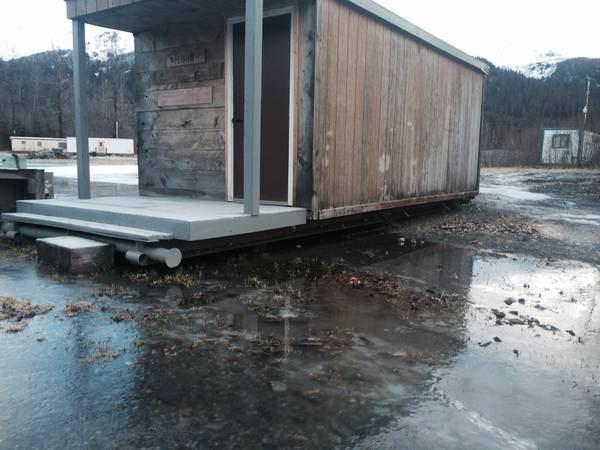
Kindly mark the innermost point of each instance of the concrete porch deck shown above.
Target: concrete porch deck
(154, 219)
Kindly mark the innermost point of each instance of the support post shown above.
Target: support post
(81, 123)
(252, 105)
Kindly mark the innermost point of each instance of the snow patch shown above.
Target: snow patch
(542, 67)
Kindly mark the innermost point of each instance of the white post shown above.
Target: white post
(252, 105)
(81, 124)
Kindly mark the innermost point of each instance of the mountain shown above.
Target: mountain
(517, 106)
(542, 67)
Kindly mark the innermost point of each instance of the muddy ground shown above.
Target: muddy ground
(472, 327)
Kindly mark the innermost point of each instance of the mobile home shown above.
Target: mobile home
(21, 144)
(567, 147)
(252, 120)
(104, 146)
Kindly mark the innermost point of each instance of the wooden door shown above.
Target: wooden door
(275, 121)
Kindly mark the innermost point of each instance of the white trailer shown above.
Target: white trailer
(567, 147)
(104, 146)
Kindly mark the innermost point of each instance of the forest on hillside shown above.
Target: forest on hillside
(37, 93)
(517, 107)
(37, 98)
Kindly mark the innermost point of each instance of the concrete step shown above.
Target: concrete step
(83, 226)
(94, 212)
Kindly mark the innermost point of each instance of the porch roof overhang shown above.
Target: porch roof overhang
(141, 15)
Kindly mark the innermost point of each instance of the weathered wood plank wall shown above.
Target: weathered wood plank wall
(181, 147)
(394, 119)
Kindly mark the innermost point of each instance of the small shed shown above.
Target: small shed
(568, 147)
(284, 112)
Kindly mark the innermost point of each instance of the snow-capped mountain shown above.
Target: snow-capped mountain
(542, 67)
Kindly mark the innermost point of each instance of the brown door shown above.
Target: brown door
(275, 128)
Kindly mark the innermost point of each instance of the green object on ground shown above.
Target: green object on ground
(14, 161)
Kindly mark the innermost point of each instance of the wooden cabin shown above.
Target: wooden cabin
(334, 108)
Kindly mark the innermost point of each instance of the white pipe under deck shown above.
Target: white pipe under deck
(252, 105)
(81, 124)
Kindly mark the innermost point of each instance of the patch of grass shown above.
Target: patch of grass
(73, 309)
(102, 354)
(114, 290)
(181, 277)
(125, 316)
(256, 283)
(14, 328)
(196, 299)
(268, 344)
(18, 309)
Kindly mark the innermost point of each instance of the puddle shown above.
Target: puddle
(514, 193)
(287, 350)
(583, 219)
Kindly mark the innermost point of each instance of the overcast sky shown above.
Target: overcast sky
(507, 32)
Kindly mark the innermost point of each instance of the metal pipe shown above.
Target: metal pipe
(170, 257)
(8, 226)
(136, 257)
(135, 253)
(36, 232)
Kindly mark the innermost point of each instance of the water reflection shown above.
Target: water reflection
(345, 369)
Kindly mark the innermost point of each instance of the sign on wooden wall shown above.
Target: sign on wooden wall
(181, 97)
(186, 59)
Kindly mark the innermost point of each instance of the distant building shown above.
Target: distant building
(98, 146)
(35, 144)
(570, 147)
(103, 146)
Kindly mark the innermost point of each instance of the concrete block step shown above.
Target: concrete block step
(82, 226)
(75, 255)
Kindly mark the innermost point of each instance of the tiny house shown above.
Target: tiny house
(570, 147)
(259, 117)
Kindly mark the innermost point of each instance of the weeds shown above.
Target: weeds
(73, 309)
(268, 344)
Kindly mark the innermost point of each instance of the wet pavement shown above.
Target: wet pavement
(375, 339)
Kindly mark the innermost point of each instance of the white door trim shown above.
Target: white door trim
(291, 10)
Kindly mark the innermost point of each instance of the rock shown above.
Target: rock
(509, 301)
(499, 314)
(522, 301)
(516, 322)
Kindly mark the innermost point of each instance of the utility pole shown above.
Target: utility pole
(586, 110)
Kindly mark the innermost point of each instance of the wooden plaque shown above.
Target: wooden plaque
(186, 59)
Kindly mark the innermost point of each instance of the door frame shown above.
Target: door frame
(229, 144)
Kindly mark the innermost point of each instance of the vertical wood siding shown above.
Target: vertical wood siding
(394, 119)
